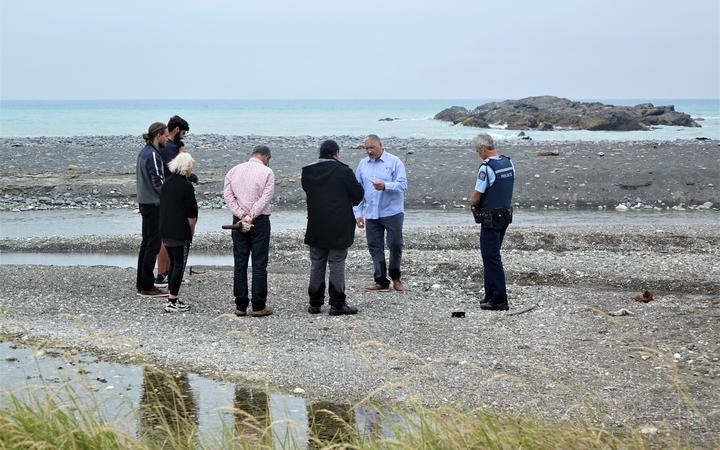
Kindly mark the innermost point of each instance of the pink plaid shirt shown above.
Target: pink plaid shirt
(249, 189)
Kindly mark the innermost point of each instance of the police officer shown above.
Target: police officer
(491, 204)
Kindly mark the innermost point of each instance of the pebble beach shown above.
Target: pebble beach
(573, 339)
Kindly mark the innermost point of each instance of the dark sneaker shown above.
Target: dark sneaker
(398, 285)
(241, 312)
(377, 287)
(161, 281)
(314, 309)
(154, 292)
(176, 306)
(266, 311)
(494, 306)
(342, 310)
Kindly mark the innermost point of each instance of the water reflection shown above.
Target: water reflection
(252, 416)
(183, 410)
(168, 412)
(330, 424)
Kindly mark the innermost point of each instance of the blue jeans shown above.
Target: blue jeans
(320, 259)
(375, 230)
(491, 238)
(255, 242)
(149, 247)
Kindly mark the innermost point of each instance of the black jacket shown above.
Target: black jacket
(332, 191)
(177, 205)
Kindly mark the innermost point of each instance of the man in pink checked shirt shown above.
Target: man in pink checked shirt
(248, 191)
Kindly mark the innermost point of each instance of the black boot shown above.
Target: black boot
(494, 306)
(342, 309)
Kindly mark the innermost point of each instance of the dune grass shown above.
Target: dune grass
(43, 421)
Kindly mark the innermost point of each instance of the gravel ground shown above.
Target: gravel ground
(557, 352)
(658, 366)
(98, 171)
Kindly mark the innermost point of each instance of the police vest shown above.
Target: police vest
(499, 195)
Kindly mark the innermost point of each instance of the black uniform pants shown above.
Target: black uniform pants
(491, 238)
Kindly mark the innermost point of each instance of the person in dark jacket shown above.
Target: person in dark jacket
(178, 216)
(177, 129)
(150, 176)
(332, 191)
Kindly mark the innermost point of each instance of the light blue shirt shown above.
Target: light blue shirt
(376, 204)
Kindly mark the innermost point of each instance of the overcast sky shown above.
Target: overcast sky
(295, 49)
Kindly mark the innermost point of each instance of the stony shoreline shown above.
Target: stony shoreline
(557, 348)
(97, 172)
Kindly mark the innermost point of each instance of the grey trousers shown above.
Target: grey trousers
(320, 258)
(375, 232)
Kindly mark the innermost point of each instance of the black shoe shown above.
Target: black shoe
(494, 306)
(343, 309)
(161, 281)
(314, 309)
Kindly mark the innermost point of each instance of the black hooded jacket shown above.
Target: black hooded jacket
(332, 191)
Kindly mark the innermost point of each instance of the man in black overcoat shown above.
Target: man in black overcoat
(332, 191)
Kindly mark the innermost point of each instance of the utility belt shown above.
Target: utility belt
(487, 217)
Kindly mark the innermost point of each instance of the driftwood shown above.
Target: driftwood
(522, 311)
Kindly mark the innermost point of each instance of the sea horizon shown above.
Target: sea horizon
(410, 118)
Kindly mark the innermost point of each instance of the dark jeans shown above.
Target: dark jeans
(320, 258)
(375, 230)
(149, 246)
(178, 259)
(255, 242)
(491, 238)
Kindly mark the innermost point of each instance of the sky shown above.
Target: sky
(369, 49)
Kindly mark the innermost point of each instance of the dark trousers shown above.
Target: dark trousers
(375, 231)
(255, 242)
(320, 258)
(149, 246)
(491, 238)
(178, 259)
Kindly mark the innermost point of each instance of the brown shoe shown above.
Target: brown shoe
(240, 312)
(398, 285)
(377, 287)
(266, 311)
(154, 292)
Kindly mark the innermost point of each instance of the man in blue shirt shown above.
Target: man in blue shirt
(381, 211)
(491, 203)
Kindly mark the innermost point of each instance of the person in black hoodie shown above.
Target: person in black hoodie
(332, 191)
(178, 216)
(177, 129)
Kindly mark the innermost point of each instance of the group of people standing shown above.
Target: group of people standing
(166, 199)
(338, 201)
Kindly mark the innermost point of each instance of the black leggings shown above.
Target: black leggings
(178, 260)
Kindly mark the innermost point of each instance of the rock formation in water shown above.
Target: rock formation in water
(549, 113)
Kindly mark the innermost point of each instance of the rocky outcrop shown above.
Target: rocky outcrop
(549, 113)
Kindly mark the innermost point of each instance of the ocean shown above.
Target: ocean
(411, 118)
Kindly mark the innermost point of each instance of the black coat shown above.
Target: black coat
(177, 205)
(332, 191)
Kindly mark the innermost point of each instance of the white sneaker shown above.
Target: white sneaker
(176, 306)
